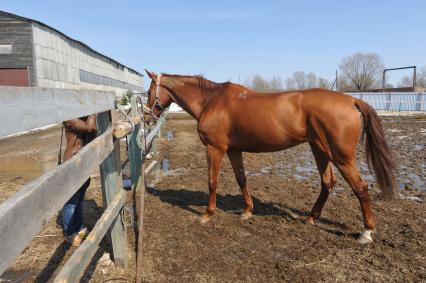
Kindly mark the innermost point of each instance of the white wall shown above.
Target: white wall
(58, 61)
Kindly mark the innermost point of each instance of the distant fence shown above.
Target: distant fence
(394, 101)
(25, 214)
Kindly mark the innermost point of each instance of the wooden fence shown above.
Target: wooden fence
(25, 214)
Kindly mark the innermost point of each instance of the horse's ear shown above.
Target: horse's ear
(152, 75)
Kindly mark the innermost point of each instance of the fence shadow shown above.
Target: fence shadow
(92, 212)
(54, 262)
(87, 275)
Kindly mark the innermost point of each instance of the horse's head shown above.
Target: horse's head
(159, 98)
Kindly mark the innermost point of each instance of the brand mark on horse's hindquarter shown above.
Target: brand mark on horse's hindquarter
(243, 95)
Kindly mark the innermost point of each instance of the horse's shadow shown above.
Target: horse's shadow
(186, 199)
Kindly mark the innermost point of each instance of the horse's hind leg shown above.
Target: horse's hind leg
(236, 159)
(360, 188)
(328, 180)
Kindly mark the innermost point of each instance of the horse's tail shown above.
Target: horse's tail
(379, 157)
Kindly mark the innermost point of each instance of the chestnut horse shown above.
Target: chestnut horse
(232, 119)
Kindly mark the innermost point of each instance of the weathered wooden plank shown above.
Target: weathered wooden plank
(24, 108)
(140, 199)
(123, 128)
(135, 152)
(77, 263)
(150, 166)
(137, 177)
(150, 137)
(24, 214)
(111, 181)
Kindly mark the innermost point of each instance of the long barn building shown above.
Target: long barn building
(37, 55)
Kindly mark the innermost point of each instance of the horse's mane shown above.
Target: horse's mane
(204, 83)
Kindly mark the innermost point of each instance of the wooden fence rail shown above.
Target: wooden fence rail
(24, 214)
(25, 108)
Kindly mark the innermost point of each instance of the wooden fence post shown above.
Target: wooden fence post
(112, 182)
(135, 149)
(138, 183)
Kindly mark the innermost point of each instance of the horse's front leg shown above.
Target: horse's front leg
(214, 161)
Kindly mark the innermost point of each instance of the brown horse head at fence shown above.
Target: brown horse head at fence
(232, 119)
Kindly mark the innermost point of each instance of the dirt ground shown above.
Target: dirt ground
(274, 245)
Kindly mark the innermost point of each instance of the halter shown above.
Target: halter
(156, 103)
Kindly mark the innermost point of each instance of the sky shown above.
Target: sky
(234, 40)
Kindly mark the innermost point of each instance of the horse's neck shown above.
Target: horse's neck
(191, 100)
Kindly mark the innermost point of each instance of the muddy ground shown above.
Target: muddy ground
(273, 246)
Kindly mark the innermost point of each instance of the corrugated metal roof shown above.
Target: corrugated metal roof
(66, 36)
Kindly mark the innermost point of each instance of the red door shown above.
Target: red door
(14, 77)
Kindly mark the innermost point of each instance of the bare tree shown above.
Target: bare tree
(297, 81)
(407, 81)
(361, 71)
(311, 80)
(421, 77)
(259, 83)
(276, 84)
(301, 80)
(324, 83)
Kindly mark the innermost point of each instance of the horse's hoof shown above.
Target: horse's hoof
(246, 215)
(204, 219)
(365, 237)
(310, 220)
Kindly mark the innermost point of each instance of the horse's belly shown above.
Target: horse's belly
(263, 144)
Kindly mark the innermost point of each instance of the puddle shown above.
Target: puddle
(27, 166)
(165, 166)
(417, 182)
(169, 135)
(176, 172)
(32, 154)
(304, 169)
(366, 173)
(413, 198)
(418, 147)
(300, 177)
(266, 170)
(252, 173)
